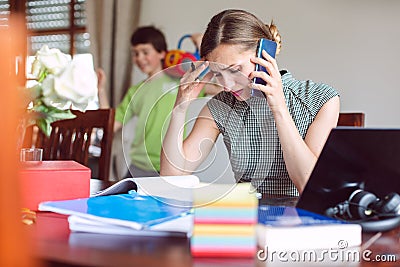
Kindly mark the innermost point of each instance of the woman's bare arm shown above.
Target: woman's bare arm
(183, 157)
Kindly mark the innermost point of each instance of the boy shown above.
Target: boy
(150, 101)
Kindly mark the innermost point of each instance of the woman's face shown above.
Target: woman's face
(231, 68)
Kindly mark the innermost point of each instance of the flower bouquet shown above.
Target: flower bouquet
(61, 84)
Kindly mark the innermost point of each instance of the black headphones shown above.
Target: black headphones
(372, 213)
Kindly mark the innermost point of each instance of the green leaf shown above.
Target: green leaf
(45, 116)
(40, 108)
(56, 115)
(42, 75)
(44, 126)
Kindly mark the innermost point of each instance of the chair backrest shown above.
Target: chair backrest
(70, 139)
(351, 119)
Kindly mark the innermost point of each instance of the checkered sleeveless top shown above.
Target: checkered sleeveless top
(251, 137)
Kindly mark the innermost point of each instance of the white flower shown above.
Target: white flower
(72, 88)
(51, 60)
(62, 84)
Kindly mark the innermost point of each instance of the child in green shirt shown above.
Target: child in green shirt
(150, 101)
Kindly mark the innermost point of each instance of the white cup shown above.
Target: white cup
(31, 154)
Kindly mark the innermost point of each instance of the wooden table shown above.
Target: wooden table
(54, 244)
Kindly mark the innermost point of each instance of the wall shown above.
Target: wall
(353, 45)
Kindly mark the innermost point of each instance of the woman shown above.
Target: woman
(275, 141)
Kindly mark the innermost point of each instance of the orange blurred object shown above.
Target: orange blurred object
(15, 243)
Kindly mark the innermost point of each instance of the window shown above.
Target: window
(59, 24)
(4, 13)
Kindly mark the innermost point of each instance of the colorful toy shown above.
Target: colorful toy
(177, 61)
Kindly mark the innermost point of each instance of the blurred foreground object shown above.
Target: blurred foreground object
(14, 242)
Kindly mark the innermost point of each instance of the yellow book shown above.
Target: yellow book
(225, 195)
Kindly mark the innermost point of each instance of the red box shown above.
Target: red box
(53, 180)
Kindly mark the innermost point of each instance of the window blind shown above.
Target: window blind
(57, 23)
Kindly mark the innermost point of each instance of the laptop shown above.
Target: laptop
(353, 158)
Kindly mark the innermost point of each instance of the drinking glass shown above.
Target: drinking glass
(31, 154)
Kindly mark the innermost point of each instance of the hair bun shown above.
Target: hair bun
(275, 36)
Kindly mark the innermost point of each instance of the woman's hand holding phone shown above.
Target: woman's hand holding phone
(191, 85)
(270, 48)
(271, 85)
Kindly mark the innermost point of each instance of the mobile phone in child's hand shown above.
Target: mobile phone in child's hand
(270, 47)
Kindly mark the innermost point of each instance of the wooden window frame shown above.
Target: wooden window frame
(18, 9)
(71, 31)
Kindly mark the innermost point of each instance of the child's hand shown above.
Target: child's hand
(196, 39)
(101, 87)
(101, 79)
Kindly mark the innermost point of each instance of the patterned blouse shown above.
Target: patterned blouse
(251, 137)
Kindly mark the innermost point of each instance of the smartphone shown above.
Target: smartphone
(270, 47)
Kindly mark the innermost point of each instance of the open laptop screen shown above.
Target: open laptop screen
(353, 158)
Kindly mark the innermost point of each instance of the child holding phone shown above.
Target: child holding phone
(275, 141)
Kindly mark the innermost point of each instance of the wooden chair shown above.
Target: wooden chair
(70, 139)
(351, 119)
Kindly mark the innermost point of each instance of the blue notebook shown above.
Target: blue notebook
(291, 216)
(140, 212)
(286, 228)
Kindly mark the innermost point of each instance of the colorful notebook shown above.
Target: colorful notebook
(224, 222)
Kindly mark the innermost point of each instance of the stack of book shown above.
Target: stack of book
(225, 217)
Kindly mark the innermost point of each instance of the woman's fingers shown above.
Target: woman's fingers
(193, 80)
(193, 76)
(270, 65)
(272, 77)
(196, 69)
(267, 64)
(264, 76)
(270, 59)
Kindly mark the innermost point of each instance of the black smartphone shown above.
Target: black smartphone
(270, 47)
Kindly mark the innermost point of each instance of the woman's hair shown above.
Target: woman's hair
(237, 27)
(149, 35)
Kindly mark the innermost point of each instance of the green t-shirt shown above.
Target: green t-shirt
(151, 102)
